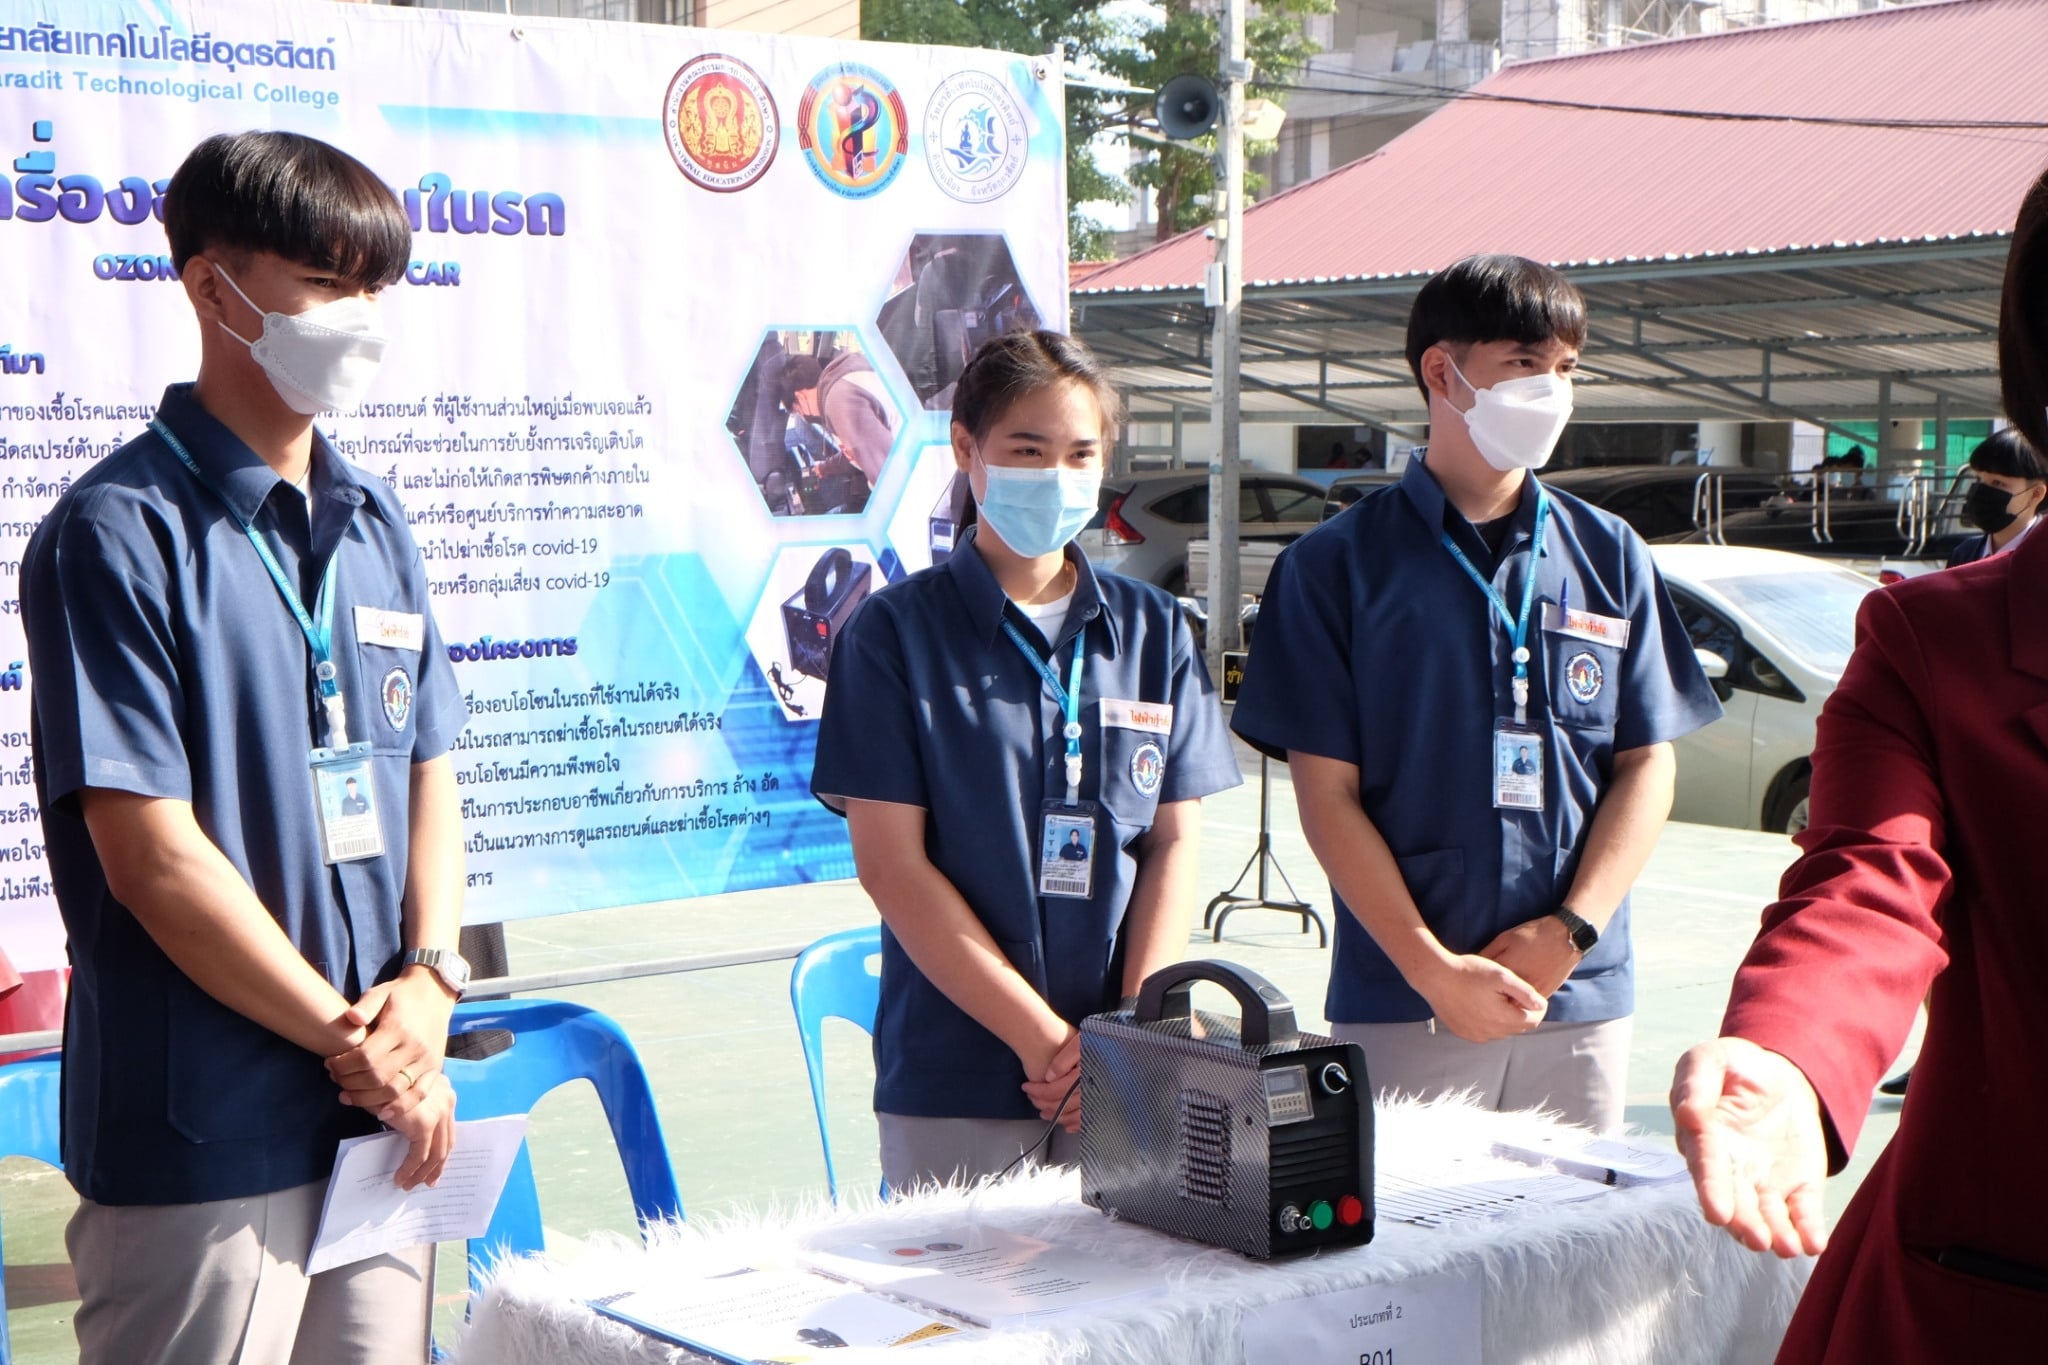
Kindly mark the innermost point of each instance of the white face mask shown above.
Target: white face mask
(321, 360)
(1516, 423)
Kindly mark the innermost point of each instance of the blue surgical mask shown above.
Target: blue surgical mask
(1037, 511)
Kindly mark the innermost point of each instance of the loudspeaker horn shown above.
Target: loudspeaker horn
(1187, 107)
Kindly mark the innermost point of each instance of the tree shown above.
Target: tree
(1183, 178)
(1143, 52)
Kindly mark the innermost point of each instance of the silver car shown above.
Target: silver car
(1144, 521)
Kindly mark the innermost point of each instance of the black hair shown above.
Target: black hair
(293, 196)
(1010, 366)
(1494, 298)
(2023, 321)
(2007, 452)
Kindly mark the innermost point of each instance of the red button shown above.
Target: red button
(1350, 1211)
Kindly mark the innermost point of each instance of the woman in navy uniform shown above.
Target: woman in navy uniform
(979, 717)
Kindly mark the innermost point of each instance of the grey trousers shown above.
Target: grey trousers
(919, 1151)
(224, 1283)
(1579, 1070)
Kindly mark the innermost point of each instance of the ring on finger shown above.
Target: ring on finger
(409, 1082)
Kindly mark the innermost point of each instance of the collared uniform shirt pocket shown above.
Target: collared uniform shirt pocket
(1584, 681)
(389, 650)
(1133, 771)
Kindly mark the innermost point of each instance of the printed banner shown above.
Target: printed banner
(666, 393)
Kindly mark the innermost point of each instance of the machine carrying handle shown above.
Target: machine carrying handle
(1267, 1014)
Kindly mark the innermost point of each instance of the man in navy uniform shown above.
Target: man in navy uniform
(209, 612)
(1409, 651)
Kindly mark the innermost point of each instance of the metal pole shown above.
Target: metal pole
(1224, 575)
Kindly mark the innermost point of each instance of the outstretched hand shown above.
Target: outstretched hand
(1749, 1124)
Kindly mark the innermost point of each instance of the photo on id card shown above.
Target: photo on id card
(345, 797)
(1517, 767)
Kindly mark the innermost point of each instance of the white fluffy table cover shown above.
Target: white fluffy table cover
(1633, 1275)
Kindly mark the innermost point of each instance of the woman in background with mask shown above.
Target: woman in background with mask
(979, 715)
(2011, 489)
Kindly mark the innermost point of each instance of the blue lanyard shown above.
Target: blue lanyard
(1518, 626)
(320, 637)
(1068, 697)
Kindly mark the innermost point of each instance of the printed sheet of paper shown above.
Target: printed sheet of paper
(1429, 1319)
(990, 1276)
(1441, 1189)
(778, 1315)
(367, 1214)
(1611, 1161)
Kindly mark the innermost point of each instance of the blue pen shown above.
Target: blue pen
(1564, 600)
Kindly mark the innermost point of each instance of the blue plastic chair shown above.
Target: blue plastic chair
(553, 1043)
(29, 1119)
(838, 977)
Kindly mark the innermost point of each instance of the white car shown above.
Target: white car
(1773, 631)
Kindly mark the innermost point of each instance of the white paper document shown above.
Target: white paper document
(367, 1215)
(1611, 1161)
(1441, 1189)
(1429, 1319)
(771, 1315)
(986, 1275)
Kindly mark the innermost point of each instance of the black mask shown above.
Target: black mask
(1988, 509)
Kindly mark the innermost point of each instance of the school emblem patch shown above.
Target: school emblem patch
(721, 123)
(397, 695)
(1148, 768)
(853, 130)
(1583, 677)
(975, 139)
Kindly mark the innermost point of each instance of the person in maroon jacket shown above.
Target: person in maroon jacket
(1921, 865)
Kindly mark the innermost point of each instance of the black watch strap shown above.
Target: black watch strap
(1584, 935)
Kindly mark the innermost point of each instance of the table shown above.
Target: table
(1632, 1275)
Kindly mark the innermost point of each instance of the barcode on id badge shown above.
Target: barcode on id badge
(362, 847)
(1065, 886)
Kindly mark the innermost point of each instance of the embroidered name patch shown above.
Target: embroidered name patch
(1153, 718)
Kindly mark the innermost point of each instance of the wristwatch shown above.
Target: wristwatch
(1584, 935)
(446, 963)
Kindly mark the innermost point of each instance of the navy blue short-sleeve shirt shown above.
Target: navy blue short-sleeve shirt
(931, 704)
(1374, 647)
(164, 662)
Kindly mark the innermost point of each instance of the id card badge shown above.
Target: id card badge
(345, 797)
(1066, 850)
(1517, 767)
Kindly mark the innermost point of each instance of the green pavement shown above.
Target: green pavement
(729, 1079)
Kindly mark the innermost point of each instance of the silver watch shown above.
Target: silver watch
(446, 963)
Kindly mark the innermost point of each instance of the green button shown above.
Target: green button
(1321, 1214)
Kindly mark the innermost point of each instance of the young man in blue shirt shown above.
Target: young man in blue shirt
(228, 633)
(1476, 682)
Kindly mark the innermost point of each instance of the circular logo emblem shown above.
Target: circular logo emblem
(1148, 767)
(721, 123)
(1583, 677)
(975, 140)
(397, 694)
(853, 130)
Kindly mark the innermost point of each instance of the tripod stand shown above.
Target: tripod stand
(1222, 905)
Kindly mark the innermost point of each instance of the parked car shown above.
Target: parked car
(1773, 631)
(1144, 521)
(1891, 533)
(1344, 491)
(1662, 500)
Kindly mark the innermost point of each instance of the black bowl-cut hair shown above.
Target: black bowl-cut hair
(1494, 298)
(293, 196)
(2006, 452)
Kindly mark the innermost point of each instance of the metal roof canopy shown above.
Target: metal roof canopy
(1854, 333)
(1802, 221)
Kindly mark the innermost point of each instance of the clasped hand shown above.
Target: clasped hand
(394, 1071)
(1058, 1094)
